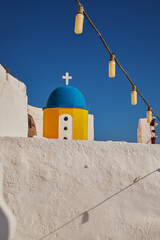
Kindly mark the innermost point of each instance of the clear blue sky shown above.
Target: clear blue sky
(38, 44)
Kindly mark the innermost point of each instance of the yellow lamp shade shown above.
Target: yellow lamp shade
(134, 95)
(112, 66)
(149, 115)
(79, 22)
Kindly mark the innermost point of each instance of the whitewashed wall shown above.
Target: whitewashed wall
(13, 106)
(48, 182)
(7, 219)
(144, 131)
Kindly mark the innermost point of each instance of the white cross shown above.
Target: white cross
(67, 77)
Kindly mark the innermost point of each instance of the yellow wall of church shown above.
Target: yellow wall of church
(51, 122)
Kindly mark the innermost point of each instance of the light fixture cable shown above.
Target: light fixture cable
(116, 60)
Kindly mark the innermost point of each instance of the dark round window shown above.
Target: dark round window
(66, 119)
(65, 128)
(65, 138)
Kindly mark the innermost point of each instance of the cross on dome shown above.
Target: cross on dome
(67, 77)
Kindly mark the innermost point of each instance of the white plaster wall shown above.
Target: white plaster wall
(13, 106)
(48, 182)
(90, 127)
(37, 114)
(7, 219)
(144, 131)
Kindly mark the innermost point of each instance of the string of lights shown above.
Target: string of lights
(99, 204)
(78, 30)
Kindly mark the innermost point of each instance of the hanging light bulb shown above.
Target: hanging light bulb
(112, 66)
(134, 95)
(149, 114)
(79, 20)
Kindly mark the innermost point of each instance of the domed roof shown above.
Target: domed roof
(66, 97)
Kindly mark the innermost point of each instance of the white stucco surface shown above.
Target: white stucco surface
(13, 106)
(37, 114)
(144, 131)
(7, 219)
(49, 182)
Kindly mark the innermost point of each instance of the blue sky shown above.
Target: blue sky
(38, 44)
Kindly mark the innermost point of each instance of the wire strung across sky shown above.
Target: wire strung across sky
(116, 60)
(99, 204)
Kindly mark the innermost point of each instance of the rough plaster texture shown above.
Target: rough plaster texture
(37, 114)
(48, 182)
(13, 106)
(144, 131)
(7, 220)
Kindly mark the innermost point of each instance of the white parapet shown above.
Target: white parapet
(144, 131)
(48, 182)
(13, 106)
(7, 219)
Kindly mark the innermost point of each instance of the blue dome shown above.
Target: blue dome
(66, 97)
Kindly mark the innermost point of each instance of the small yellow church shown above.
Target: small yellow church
(66, 115)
